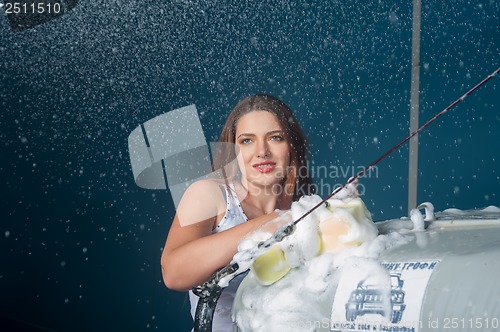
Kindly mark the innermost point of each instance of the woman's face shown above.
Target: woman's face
(264, 153)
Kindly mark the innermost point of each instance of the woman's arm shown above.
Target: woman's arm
(192, 253)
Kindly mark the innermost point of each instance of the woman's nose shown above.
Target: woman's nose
(263, 150)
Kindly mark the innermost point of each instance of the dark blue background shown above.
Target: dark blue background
(81, 243)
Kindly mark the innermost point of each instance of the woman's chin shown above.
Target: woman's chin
(271, 183)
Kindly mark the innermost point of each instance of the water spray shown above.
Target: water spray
(210, 291)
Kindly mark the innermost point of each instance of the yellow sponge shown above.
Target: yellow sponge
(331, 231)
(349, 214)
(270, 266)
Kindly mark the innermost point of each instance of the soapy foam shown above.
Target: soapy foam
(297, 301)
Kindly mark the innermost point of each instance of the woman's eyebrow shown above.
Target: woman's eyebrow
(278, 131)
(245, 134)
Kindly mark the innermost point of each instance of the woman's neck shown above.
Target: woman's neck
(258, 198)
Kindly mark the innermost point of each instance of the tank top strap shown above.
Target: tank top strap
(234, 212)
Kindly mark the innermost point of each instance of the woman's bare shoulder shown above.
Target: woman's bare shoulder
(206, 188)
(202, 200)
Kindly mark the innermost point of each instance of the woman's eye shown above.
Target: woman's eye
(246, 141)
(277, 138)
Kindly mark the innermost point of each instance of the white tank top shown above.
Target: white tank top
(234, 215)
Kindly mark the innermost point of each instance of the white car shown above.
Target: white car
(447, 279)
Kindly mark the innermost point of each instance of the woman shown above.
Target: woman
(213, 216)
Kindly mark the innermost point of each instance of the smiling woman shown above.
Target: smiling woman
(269, 147)
(264, 155)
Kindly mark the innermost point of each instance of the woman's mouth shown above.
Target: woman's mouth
(264, 167)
